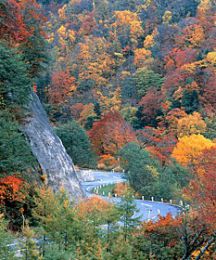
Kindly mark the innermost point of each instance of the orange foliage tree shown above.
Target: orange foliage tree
(94, 208)
(121, 188)
(87, 111)
(76, 110)
(172, 118)
(162, 224)
(110, 102)
(142, 57)
(107, 162)
(13, 198)
(149, 40)
(163, 231)
(81, 112)
(193, 35)
(88, 24)
(111, 133)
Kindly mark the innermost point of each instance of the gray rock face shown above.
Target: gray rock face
(85, 175)
(49, 151)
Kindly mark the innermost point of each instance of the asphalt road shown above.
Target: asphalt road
(147, 210)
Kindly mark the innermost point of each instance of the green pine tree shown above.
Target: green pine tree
(6, 239)
(15, 85)
(128, 209)
(15, 154)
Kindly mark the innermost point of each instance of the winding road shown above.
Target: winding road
(147, 210)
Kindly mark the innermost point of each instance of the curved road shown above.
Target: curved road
(146, 209)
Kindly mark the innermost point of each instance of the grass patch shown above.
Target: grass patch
(104, 191)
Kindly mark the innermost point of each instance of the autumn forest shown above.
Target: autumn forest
(129, 87)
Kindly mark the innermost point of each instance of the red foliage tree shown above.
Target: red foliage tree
(209, 94)
(19, 20)
(34, 18)
(88, 24)
(164, 230)
(151, 104)
(62, 86)
(158, 141)
(111, 133)
(76, 110)
(174, 80)
(202, 188)
(10, 188)
(177, 58)
(12, 25)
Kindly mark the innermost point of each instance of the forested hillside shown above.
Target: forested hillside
(149, 62)
(130, 86)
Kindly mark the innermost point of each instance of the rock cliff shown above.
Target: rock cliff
(49, 150)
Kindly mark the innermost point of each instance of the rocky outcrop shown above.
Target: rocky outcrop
(49, 150)
(85, 175)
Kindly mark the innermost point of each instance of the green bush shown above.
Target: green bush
(77, 144)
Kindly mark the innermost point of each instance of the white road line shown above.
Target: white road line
(146, 205)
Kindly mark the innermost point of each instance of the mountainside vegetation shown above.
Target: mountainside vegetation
(128, 85)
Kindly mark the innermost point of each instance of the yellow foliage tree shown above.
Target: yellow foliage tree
(62, 31)
(142, 57)
(84, 52)
(189, 148)
(149, 41)
(191, 124)
(167, 17)
(211, 57)
(127, 18)
(87, 111)
(111, 102)
(95, 63)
